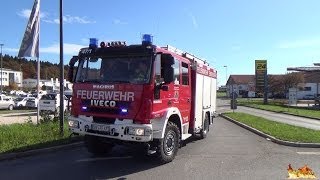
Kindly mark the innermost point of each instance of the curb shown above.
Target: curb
(282, 112)
(16, 155)
(271, 138)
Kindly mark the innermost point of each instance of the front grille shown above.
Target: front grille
(103, 110)
(104, 120)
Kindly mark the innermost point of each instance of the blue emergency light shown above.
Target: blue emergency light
(147, 39)
(84, 108)
(123, 110)
(93, 43)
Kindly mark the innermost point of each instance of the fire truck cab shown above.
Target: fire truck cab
(140, 94)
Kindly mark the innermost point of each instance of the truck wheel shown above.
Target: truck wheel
(168, 146)
(10, 107)
(96, 146)
(204, 131)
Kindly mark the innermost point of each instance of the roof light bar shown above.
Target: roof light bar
(93, 43)
(147, 39)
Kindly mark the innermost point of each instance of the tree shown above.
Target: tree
(291, 80)
(13, 86)
(29, 71)
(29, 67)
(275, 85)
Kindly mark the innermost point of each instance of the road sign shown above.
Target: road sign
(292, 96)
(261, 72)
(261, 65)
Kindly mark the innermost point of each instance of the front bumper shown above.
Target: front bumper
(122, 130)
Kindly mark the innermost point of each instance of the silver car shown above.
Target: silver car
(6, 102)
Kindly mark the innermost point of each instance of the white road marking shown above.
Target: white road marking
(103, 159)
(308, 153)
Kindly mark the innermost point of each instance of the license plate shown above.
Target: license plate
(46, 102)
(100, 127)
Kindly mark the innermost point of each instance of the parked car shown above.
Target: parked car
(50, 104)
(32, 103)
(22, 101)
(6, 102)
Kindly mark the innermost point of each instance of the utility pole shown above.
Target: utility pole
(227, 80)
(226, 74)
(1, 66)
(61, 72)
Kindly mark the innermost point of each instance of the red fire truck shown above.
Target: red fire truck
(140, 94)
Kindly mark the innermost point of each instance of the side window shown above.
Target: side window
(158, 75)
(176, 70)
(157, 68)
(185, 73)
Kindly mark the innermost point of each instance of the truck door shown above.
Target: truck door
(164, 89)
(185, 93)
(177, 93)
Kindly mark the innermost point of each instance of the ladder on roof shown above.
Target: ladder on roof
(184, 54)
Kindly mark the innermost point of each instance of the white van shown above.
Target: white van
(50, 103)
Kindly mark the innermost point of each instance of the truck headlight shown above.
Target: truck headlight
(139, 131)
(136, 131)
(73, 123)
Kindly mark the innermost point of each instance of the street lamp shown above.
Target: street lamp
(1, 65)
(226, 73)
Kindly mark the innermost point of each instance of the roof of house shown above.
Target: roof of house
(312, 77)
(241, 79)
(309, 77)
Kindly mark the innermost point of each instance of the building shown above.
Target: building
(244, 86)
(241, 85)
(10, 76)
(32, 83)
(311, 85)
(50, 84)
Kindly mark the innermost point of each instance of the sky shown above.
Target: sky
(229, 34)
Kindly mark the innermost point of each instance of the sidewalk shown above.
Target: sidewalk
(17, 118)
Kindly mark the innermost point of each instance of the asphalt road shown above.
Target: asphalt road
(224, 105)
(229, 152)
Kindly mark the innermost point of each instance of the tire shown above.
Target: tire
(95, 146)
(169, 145)
(205, 130)
(10, 107)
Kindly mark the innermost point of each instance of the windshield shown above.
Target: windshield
(19, 99)
(49, 97)
(135, 70)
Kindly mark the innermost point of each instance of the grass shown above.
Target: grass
(221, 94)
(278, 130)
(21, 137)
(278, 106)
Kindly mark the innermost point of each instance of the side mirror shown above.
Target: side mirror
(167, 59)
(73, 60)
(168, 74)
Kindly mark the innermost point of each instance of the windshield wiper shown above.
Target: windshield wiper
(90, 81)
(120, 81)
